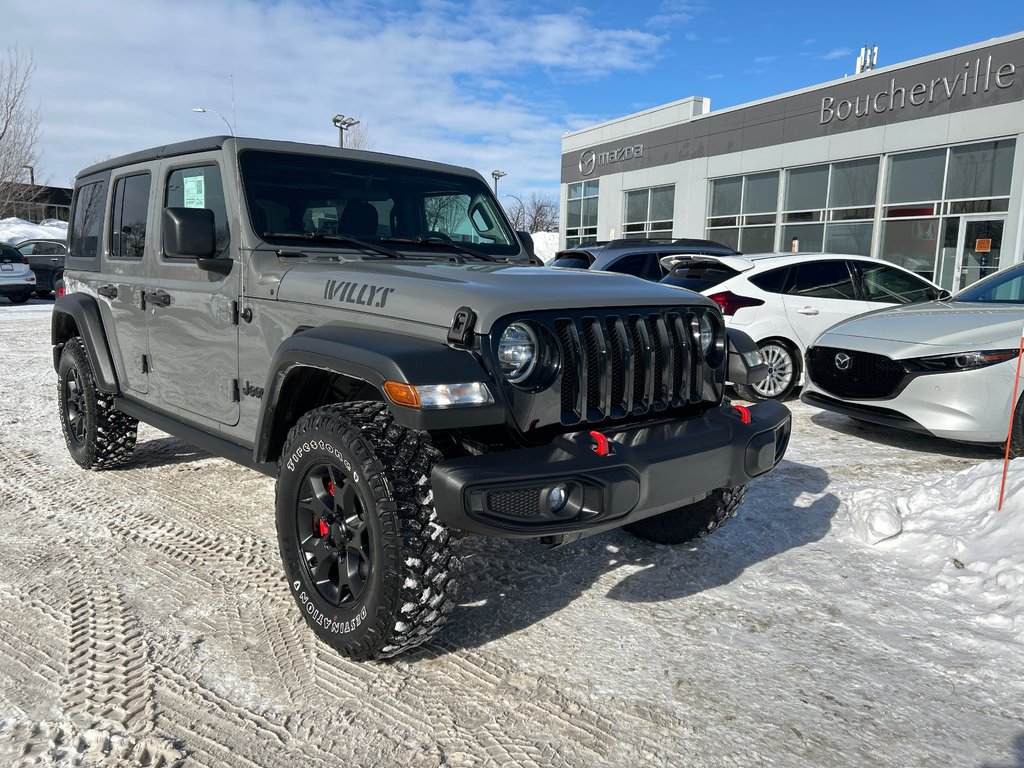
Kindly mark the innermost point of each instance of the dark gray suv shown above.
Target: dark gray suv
(650, 259)
(366, 329)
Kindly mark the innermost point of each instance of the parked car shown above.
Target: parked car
(17, 280)
(46, 258)
(784, 301)
(945, 368)
(650, 259)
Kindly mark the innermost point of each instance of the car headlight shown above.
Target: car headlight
(963, 361)
(705, 334)
(517, 352)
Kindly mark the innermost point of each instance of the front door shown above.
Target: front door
(193, 332)
(970, 250)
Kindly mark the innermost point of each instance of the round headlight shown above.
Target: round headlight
(703, 333)
(517, 352)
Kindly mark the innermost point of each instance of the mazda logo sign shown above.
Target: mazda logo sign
(843, 361)
(588, 162)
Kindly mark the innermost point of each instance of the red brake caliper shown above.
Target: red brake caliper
(323, 525)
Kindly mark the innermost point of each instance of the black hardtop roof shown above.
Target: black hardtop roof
(210, 143)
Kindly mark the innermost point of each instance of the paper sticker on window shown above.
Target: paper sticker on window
(195, 192)
(983, 245)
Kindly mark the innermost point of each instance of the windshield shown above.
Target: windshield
(293, 195)
(1006, 287)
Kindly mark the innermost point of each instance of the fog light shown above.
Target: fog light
(557, 498)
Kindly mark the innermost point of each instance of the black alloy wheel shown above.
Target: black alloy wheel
(74, 406)
(334, 535)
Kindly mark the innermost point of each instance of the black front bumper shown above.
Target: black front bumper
(648, 470)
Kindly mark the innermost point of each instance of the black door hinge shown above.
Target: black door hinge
(235, 395)
(461, 332)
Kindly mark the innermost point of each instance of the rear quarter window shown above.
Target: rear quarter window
(699, 276)
(772, 281)
(573, 262)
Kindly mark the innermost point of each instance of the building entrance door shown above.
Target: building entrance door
(969, 250)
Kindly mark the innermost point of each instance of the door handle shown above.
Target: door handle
(807, 311)
(109, 291)
(160, 298)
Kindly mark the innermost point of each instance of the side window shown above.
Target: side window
(87, 224)
(129, 217)
(634, 264)
(772, 281)
(200, 187)
(823, 280)
(893, 286)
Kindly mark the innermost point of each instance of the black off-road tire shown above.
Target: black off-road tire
(98, 435)
(354, 488)
(678, 526)
(784, 373)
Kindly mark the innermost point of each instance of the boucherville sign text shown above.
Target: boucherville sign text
(976, 77)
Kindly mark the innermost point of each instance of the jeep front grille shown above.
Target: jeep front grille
(853, 374)
(615, 366)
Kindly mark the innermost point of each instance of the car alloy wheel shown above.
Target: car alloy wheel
(781, 371)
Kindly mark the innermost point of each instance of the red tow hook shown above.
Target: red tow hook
(744, 413)
(600, 443)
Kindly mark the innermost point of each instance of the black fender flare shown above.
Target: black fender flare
(376, 357)
(81, 312)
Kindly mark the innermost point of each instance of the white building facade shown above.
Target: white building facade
(920, 163)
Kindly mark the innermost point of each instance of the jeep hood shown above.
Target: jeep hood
(939, 323)
(430, 293)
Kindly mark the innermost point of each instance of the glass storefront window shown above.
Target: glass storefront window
(649, 212)
(757, 240)
(762, 193)
(854, 184)
(581, 213)
(725, 196)
(911, 243)
(809, 237)
(916, 176)
(980, 170)
(806, 188)
(853, 238)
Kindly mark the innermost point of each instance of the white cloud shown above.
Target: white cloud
(457, 82)
(716, 76)
(765, 59)
(672, 12)
(836, 53)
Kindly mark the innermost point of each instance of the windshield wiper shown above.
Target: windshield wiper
(311, 237)
(435, 241)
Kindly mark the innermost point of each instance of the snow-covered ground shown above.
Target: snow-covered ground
(143, 619)
(14, 230)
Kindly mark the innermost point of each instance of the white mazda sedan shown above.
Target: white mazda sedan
(945, 368)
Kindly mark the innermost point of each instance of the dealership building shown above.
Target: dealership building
(920, 163)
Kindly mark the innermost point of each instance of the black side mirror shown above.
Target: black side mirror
(944, 294)
(188, 233)
(527, 240)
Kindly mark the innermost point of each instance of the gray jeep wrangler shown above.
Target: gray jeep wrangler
(368, 329)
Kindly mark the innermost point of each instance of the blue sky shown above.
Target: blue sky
(482, 84)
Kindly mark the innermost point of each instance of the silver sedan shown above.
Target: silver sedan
(944, 368)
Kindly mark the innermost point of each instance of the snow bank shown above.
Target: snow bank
(950, 526)
(545, 244)
(15, 230)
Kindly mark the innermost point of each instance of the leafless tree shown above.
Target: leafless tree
(19, 130)
(538, 214)
(359, 136)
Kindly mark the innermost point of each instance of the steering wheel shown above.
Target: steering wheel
(432, 235)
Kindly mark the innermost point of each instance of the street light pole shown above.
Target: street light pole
(32, 183)
(218, 114)
(497, 175)
(343, 124)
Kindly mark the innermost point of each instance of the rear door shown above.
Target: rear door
(819, 294)
(124, 276)
(193, 331)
